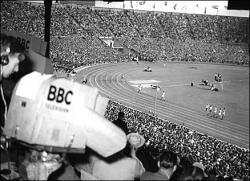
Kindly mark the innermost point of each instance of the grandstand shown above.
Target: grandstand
(77, 40)
(184, 36)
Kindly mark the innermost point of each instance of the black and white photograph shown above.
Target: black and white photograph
(124, 90)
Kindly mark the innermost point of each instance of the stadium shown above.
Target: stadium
(107, 45)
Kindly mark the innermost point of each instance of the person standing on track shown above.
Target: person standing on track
(215, 112)
(163, 96)
(122, 78)
(207, 108)
(210, 110)
(220, 113)
(139, 88)
(223, 113)
(137, 60)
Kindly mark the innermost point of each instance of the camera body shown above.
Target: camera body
(61, 115)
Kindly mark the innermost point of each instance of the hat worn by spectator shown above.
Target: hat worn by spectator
(135, 140)
(200, 165)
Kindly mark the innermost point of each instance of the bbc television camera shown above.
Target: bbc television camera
(55, 115)
(52, 115)
(60, 115)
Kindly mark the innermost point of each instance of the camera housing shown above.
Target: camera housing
(61, 115)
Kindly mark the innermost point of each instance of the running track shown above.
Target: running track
(107, 78)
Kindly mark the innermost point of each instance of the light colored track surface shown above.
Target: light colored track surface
(107, 78)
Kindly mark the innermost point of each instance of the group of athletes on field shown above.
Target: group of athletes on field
(215, 112)
(212, 111)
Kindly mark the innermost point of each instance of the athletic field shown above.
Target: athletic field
(184, 104)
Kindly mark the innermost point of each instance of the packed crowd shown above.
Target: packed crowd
(175, 50)
(87, 53)
(217, 156)
(157, 36)
(205, 28)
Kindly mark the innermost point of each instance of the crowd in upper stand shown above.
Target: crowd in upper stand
(218, 157)
(75, 41)
(159, 36)
(88, 50)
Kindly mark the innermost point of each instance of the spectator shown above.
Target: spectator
(144, 155)
(11, 55)
(121, 123)
(167, 165)
(135, 141)
(188, 173)
(117, 167)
